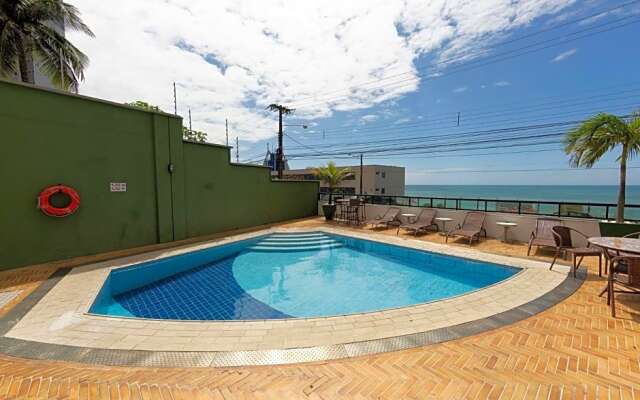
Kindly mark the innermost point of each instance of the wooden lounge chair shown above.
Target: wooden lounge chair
(564, 243)
(625, 272)
(423, 222)
(543, 236)
(471, 227)
(390, 217)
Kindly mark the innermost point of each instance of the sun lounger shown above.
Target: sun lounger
(390, 217)
(471, 227)
(543, 235)
(423, 222)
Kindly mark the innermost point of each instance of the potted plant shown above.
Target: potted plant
(594, 138)
(332, 176)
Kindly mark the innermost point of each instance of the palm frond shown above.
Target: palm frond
(54, 52)
(331, 174)
(9, 37)
(587, 143)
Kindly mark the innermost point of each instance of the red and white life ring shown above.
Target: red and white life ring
(44, 201)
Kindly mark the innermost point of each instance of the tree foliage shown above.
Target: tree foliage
(187, 134)
(599, 135)
(28, 39)
(331, 175)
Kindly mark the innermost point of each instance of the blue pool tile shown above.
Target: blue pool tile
(209, 292)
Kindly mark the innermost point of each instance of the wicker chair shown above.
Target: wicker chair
(564, 244)
(625, 272)
(612, 253)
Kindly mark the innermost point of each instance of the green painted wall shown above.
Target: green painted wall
(221, 196)
(50, 137)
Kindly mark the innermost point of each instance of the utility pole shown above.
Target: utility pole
(226, 128)
(237, 151)
(282, 110)
(175, 100)
(361, 174)
(190, 130)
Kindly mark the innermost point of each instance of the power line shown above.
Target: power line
(524, 128)
(523, 170)
(485, 124)
(457, 154)
(547, 105)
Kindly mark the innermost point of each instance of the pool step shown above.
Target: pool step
(293, 243)
(261, 248)
(296, 238)
(281, 235)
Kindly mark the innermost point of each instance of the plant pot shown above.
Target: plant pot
(617, 230)
(328, 210)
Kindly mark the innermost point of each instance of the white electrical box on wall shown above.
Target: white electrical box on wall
(118, 186)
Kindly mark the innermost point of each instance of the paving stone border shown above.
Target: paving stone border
(145, 358)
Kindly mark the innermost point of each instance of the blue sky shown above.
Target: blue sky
(598, 73)
(316, 57)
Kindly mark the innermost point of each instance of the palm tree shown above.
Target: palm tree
(332, 176)
(27, 34)
(600, 134)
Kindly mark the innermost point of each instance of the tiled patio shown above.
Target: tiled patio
(572, 350)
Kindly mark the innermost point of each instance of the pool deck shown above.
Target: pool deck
(571, 350)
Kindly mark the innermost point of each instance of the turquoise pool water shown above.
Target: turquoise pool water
(287, 275)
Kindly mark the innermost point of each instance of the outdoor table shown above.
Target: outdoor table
(506, 225)
(625, 245)
(444, 221)
(408, 217)
(617, 244)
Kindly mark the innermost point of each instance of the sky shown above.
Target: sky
(456, 91)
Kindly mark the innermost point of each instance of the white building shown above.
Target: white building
(377, 179)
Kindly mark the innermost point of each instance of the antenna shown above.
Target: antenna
(237, 151)
(175, 101)
(226, 127)
(190, 130)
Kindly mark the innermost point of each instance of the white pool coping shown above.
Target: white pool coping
(61, 316)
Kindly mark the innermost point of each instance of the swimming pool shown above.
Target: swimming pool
(290, 275)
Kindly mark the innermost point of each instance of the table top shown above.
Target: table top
(443, 219)
(408, 215)
(506, 223)
(627, 245)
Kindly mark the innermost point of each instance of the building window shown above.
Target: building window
(382, 191)
(384, 174)
(377, 190)
(377, 172)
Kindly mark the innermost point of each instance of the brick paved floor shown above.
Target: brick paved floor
(572, 350)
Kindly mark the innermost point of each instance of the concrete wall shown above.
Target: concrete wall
(51, 137)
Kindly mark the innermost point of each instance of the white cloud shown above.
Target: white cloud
(502, 83)
(365, 119)
(460, 89)
(232, 58)
(564, 55)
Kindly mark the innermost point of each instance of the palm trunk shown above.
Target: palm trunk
(330, 195)
(25, 60)
(622, 186)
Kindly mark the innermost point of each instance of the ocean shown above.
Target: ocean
(582, 194)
